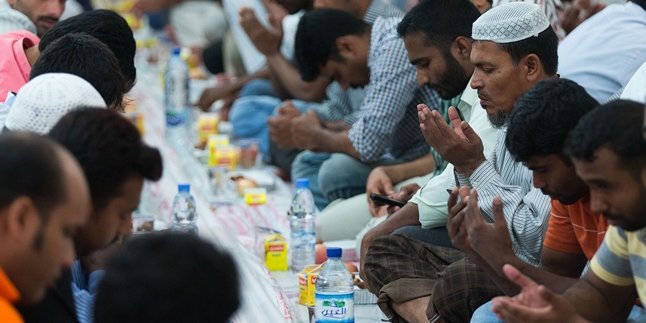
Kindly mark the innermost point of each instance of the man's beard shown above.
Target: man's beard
(499, 119)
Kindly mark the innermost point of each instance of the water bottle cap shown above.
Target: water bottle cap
(302, 183)
(184, 188)
(334, 252)
(176, 51)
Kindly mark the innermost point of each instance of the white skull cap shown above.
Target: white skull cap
(47, 98)
(510, 22)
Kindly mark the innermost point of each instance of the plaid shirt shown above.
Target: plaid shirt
(387, 124)
(345, 105)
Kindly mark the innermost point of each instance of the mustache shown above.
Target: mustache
(48, 18)
(483, 96)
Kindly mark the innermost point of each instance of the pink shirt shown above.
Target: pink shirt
(14, 65)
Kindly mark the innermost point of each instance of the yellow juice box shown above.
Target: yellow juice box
(255, 196)
(276, 252)
(207, 125)
(307, 284)
(222, 155)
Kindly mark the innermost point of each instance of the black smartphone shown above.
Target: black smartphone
(380, 199)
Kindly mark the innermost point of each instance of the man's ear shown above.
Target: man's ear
(461, 48)
(21, 215)
(346, 45)
(532, 67)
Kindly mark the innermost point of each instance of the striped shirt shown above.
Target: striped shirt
(621, 260)
(575, 229)
(525, 207)
(388, 123)
(84, 289)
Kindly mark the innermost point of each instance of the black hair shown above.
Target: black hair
(109, 149)
(109, 28)
(544, 46)
(85, 56)
(316, 38)
(441, 21)
(30, 166)
(543, 117)
(168, 278)
(616, 125)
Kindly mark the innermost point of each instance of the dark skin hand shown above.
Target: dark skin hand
(267, 41)
(534, 303)
(459, 145)
(305, 129)
(280, 126)
(404, 195)
(455, 223)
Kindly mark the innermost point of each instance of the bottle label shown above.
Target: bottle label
(334, 307)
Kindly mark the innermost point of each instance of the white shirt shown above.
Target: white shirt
(604, 51)
(636, 88)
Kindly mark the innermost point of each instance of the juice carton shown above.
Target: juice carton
(307, 284)
(221, 153)
(207, 125)
(255, 196)
(276, 252)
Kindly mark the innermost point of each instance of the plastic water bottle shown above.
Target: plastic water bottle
(184, 215)
(176, 90)
(301, 217)
(334, 291)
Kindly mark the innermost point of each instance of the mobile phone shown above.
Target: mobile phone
(386, 200)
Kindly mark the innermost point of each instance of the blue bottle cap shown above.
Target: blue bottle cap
(184, 188)
(334, 252)
(302, 183)
(176, 51)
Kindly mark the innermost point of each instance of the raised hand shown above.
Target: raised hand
(457, 204)
(266, 40)
(534, 303)
(460, 145)
(486, 239)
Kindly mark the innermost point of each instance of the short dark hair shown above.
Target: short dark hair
(168, 278)
(441, 21)
(616, 125)
(544, 46)
(543, 117)
(109, 28)
(30, 166)
(316, 38)
(109, 149)
(85, 56)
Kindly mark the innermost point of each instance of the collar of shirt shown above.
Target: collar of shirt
(7, 289)
(468, 100)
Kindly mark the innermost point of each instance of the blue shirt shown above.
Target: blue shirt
(387, 124)
(84, 288)
(604, 51)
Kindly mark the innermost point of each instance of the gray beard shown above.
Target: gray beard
(499, 119)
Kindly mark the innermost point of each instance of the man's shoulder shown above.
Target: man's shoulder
(385, 27)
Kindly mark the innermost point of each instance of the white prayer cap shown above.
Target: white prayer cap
(47, 98)
(510, 22)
